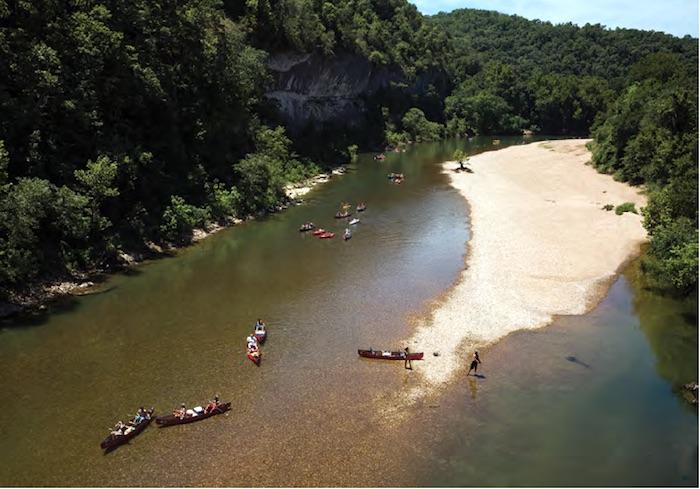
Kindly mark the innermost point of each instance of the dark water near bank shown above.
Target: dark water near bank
(586, 401)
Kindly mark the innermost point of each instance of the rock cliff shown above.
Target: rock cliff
(315, 90)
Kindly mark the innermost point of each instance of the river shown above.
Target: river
(588, 400)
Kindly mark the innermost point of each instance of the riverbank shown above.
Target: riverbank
(35, 296)
(541, 245)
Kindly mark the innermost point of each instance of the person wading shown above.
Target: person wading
(406, 360)
(475, 363)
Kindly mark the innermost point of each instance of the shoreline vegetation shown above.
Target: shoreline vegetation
(129, 124)
(541, 246)
(44, 290)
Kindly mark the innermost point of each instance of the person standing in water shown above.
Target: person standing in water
(406, 361)
(475, 363)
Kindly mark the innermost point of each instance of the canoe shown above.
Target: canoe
(303, 228)
(389, 355)
(113, 441)
(261, 336)
(347, 236)
(354, 221)
(319, 231)
(361, 208)
(327, 235)
(342, 215)
(254, 358)
(170, 420)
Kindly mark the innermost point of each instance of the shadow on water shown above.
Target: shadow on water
(575, 360)
(63, 304)
(34, 317)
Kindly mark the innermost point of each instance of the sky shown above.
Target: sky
(677, 17)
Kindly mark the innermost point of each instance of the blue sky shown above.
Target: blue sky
(678, 17)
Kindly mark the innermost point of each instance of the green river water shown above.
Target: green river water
(589, 400)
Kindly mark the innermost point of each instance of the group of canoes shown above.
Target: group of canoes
(343, 213)
(253, 342)
(123, 432)
(396, 177)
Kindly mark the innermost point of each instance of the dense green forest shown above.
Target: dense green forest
(511, 73)
(650, 136)
(129, 122)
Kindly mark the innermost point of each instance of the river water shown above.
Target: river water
(588, 400)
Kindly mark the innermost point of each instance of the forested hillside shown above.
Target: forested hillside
(511, 73)
(650, 136)
(132, 121)
(634, 91)
(128, 122)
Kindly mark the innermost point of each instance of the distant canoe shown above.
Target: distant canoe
(113, 441)
(319, 232)
(389, 355)
(326, 235)
(342, 215)
(172, 420)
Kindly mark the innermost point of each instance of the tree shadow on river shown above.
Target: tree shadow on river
(39, 315)
(671, 329)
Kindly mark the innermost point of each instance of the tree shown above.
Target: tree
(180, 218)
(419, 128)
(461, 157)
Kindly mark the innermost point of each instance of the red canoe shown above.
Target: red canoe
(261, 336)
(254, 358)
(389, 355)
(319, 231)
(327, 235)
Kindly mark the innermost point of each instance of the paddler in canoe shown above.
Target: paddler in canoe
(141, 415)
(181, 412)
(213, 404)
(259, 332)
(121, 429)
(253, 353)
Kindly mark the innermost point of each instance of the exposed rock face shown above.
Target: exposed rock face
(315, 89)
(312, 89)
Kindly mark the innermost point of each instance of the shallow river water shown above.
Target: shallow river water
(588, 400)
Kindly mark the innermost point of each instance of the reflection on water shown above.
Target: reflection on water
(671, 328)
(472, 387)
